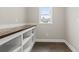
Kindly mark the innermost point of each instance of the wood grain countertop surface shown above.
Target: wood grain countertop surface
(9, 31)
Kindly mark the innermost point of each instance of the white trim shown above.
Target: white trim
(70, 46)
(50, 40)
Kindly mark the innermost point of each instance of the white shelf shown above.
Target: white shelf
(27, 39)
(29, 48)
(18, 42)
(8, 38)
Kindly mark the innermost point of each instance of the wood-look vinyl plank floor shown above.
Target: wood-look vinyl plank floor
(50, 47)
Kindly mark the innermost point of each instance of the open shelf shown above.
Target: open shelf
(29, 48)
(11, 45)
(27, 39)
(27, 34)
(20, 42)
(26, 45)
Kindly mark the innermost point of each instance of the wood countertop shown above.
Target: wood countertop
(10, 31)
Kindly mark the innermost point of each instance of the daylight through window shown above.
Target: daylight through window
(45, 15)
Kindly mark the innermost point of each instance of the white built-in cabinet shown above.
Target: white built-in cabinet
(22, 41)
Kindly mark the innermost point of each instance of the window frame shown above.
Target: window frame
(51, 15)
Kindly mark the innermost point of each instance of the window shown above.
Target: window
(45, 14)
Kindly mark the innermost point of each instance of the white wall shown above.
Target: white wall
(8, 15)
(72, 27)
(48, 31)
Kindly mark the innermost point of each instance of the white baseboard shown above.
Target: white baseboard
(70, 46)
(50, 40)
